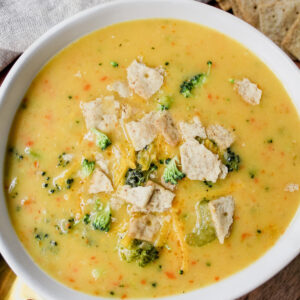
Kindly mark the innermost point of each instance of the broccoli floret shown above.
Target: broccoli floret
(188, 85)
(136, 177)
(165, 102)
(231, 160)
(171, 172)
(140, 251)
(87, 167)
(102, 217)
(204, 231)
(102, 140)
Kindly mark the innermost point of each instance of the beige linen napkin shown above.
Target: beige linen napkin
(23, 21)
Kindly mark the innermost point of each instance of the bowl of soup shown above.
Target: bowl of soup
(150, 149)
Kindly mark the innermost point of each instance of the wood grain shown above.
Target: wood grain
(283, 286)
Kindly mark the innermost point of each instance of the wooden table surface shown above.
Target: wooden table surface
(284, 286)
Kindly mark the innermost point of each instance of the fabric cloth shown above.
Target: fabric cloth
(23, 21)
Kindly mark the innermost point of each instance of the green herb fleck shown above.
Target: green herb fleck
(71, 223)
(252, 174)
(208, 183)
(114, 64)
(86, 219)
(63, 160)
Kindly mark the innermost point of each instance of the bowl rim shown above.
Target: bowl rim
(62, 35)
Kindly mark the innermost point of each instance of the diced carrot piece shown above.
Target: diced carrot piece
(170, 275)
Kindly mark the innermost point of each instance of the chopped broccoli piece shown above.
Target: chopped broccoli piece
(165, 102)
(140, 251)
(204, 231)
(102, 140)
(231, 160)
(87, 167)
(252, 174)
(171, 172)
(188, 85)
(69, 183)
(102, 217)
(136, 177)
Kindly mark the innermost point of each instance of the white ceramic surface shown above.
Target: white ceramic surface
(26, 68)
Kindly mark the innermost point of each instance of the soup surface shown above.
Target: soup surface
(174, 182)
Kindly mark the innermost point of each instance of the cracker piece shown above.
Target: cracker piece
(277, 17)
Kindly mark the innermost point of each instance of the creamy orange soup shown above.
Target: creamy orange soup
(180, 107)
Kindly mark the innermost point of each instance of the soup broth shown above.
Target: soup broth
(52, 157)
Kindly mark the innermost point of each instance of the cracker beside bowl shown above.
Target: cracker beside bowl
(277, 19)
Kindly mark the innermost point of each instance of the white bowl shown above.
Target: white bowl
(29, 64)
